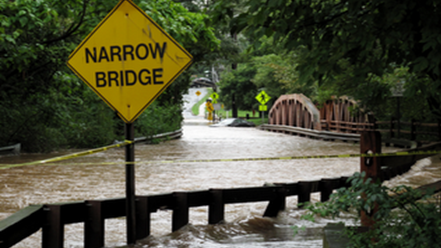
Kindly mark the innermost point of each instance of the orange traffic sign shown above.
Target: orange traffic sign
(209, 107)
(128, 60)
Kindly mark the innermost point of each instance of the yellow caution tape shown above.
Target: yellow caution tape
(69, 156)
(299, 157)
(74, 155)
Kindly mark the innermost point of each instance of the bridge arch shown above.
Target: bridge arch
(295, 110)
(340, 115)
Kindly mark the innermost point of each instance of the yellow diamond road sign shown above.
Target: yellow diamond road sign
(128, 60)
(263, 97)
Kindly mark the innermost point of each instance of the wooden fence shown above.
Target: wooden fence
(412, 130)
(52, 217)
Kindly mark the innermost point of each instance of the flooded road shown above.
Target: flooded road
(97, 176)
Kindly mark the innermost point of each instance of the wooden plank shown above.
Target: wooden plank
(114, 208)
(20, 225)
(305, 190)
(290, 188)
(327, 186)
(53, 230)
(162, 201)
(180, 216)
(370, 142)
(142, 218)
(277, 204)
(198, 198)
(242, 195)
(216, 208)
(73, 212)
(94, 225)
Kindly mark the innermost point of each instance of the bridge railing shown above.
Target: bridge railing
(346, 126)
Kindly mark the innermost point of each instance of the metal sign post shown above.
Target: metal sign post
(263, 98)
(129, 60)
(130, 185)
(262, 109)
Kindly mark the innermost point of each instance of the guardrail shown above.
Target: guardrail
(325, 135)
(10, 150)
(170, 135)
(331, 135)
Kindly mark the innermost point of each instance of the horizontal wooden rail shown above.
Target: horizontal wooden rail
(20, 225)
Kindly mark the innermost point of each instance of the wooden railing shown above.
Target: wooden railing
(346, 126)
(318, 134)
(413, 129)
(52, 217)
(349, 131)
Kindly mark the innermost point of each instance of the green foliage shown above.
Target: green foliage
(278, 75)
(400, 218)
(238, 83)
(269, 68)
(159, 119)
(42, 104)
(350, 41)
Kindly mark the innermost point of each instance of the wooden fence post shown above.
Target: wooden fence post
(370, 143)
(142, 217)
(304, 192)
(94, 225)
(53, 230)
(326, 186)
(180, 215)
(216, 208)
(277, 204)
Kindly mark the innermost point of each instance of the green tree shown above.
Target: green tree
(42, 104)
(238, 83)
(360, 39)
(278, 75)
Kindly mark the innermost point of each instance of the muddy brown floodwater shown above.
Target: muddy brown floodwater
(89, 178)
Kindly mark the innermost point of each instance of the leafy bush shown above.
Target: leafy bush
(159, 119)
(402, 216)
